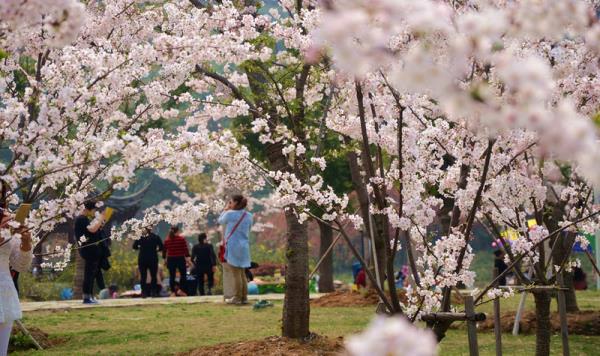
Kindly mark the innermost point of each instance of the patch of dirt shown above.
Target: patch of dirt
(273, 346)
(350, 298)
(580, 323)
(268, 269)
(21, 342)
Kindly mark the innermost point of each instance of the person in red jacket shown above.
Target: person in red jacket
(175, 253)
(361, 279)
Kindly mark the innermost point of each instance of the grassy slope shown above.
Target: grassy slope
(174, 328)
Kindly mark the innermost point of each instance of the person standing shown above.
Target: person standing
(17, 253)
(236, 255)
(226, 276)
(500, 265)
(87, 233)
(148, 245)
(205, 260)
(175, 253)
(579, 279)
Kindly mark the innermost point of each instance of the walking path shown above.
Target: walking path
(127, 302)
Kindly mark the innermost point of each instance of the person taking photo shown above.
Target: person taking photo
(235, 251)
(16, 253)
(88, 233)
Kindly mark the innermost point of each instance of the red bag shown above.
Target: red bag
(224, 242)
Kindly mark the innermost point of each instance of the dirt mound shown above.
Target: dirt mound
(268, 269)
(580, 323)
(273, 346)
(21, 342)
(351, 299)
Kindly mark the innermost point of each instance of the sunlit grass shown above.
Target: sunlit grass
(168, 329)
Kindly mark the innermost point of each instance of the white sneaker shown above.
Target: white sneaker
(232, 300)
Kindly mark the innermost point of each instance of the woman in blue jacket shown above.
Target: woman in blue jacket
(237, 221)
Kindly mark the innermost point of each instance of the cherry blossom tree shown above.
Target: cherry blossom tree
(500, 87)
(450, 113)
(282, 99)
(89, 114)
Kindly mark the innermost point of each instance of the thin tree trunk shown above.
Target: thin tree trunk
(382, 241)
(543, 327)
(326, 268)
(391, 280)
(360, 187)
(296, 306)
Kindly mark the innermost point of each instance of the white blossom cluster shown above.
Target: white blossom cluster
(392, 336)
(492, 64)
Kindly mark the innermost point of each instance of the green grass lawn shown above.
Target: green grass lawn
(175, 328)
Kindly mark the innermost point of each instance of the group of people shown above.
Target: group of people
(201, 264)
(234, 255)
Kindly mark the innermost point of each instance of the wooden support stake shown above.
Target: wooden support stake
(515, 330)
(26, 332)
(562, 312)
(471, 326)
(327, 252)
(448, 316)
(497, 326)
(589, 255)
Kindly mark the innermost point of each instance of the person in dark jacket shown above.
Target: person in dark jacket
(579, 279)
(148, 245)
(205, 260)
(500, 265)
(87, 233)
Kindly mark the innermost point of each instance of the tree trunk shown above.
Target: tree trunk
(296, 303)
(562, 252)
(360, 187)
(543, 327)
(296, 306)
(326, 268)
(382, 241)
(440, 328)
(570, 296)
(78, 276)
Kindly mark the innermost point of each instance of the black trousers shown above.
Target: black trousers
(16, 280)
(90, 273)
(175, 264)
(200, 279)
(145, 267)
(100, 279)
